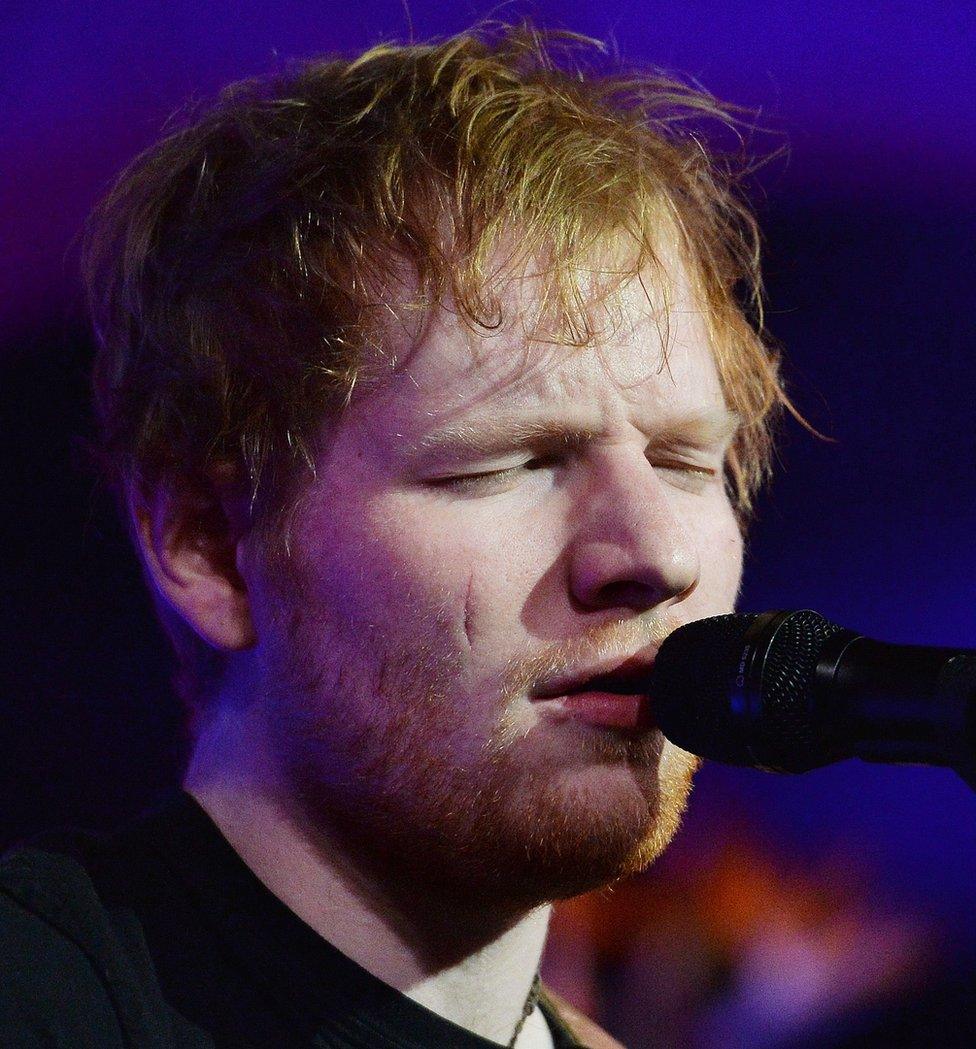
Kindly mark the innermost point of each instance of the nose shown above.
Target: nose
(631, 549)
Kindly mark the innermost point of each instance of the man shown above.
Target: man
(425, 386)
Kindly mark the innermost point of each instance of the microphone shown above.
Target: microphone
(791, 691)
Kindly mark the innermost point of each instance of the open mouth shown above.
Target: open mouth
(611, 684)
(606, 700)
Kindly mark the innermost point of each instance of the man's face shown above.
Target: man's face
(495, 522)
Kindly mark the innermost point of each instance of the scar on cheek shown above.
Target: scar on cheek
(467, 607)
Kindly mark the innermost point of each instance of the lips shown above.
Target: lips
(627, 677)
(610, 695)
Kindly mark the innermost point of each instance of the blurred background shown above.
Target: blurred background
(834, 908)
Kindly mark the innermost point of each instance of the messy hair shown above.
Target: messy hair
(240, 270)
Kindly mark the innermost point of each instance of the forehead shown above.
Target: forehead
(651, 355)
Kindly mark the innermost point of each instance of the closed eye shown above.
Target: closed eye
(690, 476)
(492, 478)
(686, 467)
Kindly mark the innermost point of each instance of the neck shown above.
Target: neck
(471, 964)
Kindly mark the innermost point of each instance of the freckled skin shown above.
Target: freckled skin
(399, 656)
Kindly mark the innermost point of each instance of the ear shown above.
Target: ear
(190, 540)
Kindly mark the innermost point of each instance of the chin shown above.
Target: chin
(589, 827)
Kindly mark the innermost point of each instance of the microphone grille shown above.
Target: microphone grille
(789, 733)
(695, 687)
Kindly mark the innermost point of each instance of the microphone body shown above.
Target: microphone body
(791, 691)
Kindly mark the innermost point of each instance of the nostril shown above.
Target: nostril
(628, 593)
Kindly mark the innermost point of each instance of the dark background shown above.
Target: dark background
(870, 228)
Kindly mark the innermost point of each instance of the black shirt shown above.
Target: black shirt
(161, 936)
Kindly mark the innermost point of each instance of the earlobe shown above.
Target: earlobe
(189, 550)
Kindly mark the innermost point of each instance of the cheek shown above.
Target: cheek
(721, 563)
(473, 570)
(422, 566)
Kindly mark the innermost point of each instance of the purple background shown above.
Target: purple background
(871, 227)
(877, 103)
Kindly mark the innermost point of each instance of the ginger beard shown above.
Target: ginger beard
(507, 808)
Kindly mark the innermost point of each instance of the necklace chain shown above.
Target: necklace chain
(530, 1003)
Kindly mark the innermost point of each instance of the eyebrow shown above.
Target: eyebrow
(707, 428)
